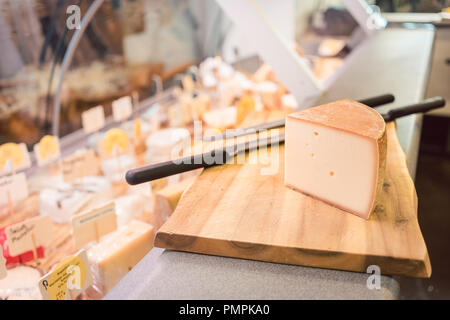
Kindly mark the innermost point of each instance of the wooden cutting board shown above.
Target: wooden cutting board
(234, 211)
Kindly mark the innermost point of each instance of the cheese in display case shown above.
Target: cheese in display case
(118, 252)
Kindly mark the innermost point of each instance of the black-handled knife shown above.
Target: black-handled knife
(171, 167)
(221, 156)
(424, 106)
(371, 102)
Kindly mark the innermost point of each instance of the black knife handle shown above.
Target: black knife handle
(423, 106)
(378, 100)
(169, 168)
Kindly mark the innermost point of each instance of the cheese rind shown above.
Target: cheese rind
(337, 153)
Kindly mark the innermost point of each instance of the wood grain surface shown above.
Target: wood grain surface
(233, 210)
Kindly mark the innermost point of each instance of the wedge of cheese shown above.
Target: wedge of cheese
(337, 153)
(167, 199)
(118, 252)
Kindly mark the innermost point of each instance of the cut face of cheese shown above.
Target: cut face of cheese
(336, 153)
(118, 252)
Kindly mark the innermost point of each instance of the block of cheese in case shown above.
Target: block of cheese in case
(337, 153)
(62, 200)
(118, 252)
(167, 199)
(129, 206)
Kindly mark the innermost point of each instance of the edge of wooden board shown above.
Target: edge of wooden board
(419, 268)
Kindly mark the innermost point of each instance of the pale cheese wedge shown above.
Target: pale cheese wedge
(337, 153)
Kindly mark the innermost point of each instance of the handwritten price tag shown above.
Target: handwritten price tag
(68, 279)
(122, 109)
(92, 225)
(13, 188)
(79, 164)
(93, 119)
(2, 264)
(28, 235)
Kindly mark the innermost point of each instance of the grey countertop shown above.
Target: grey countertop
(394, 60)
(165, 274)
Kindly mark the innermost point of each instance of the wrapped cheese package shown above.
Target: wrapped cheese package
(63, 200)
(118, 252)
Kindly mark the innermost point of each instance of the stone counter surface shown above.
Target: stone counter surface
(165, 274)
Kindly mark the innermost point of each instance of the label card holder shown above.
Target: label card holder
(68, 279)
(13, 189)
(79, 164)
(92, 225)
(93, 119)
(122, 108)
(29, 235)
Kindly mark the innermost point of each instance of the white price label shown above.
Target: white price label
(122, 109)
(94, 224)
(28, 235)
(79, 164)
(13, 189)
(93, 119)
